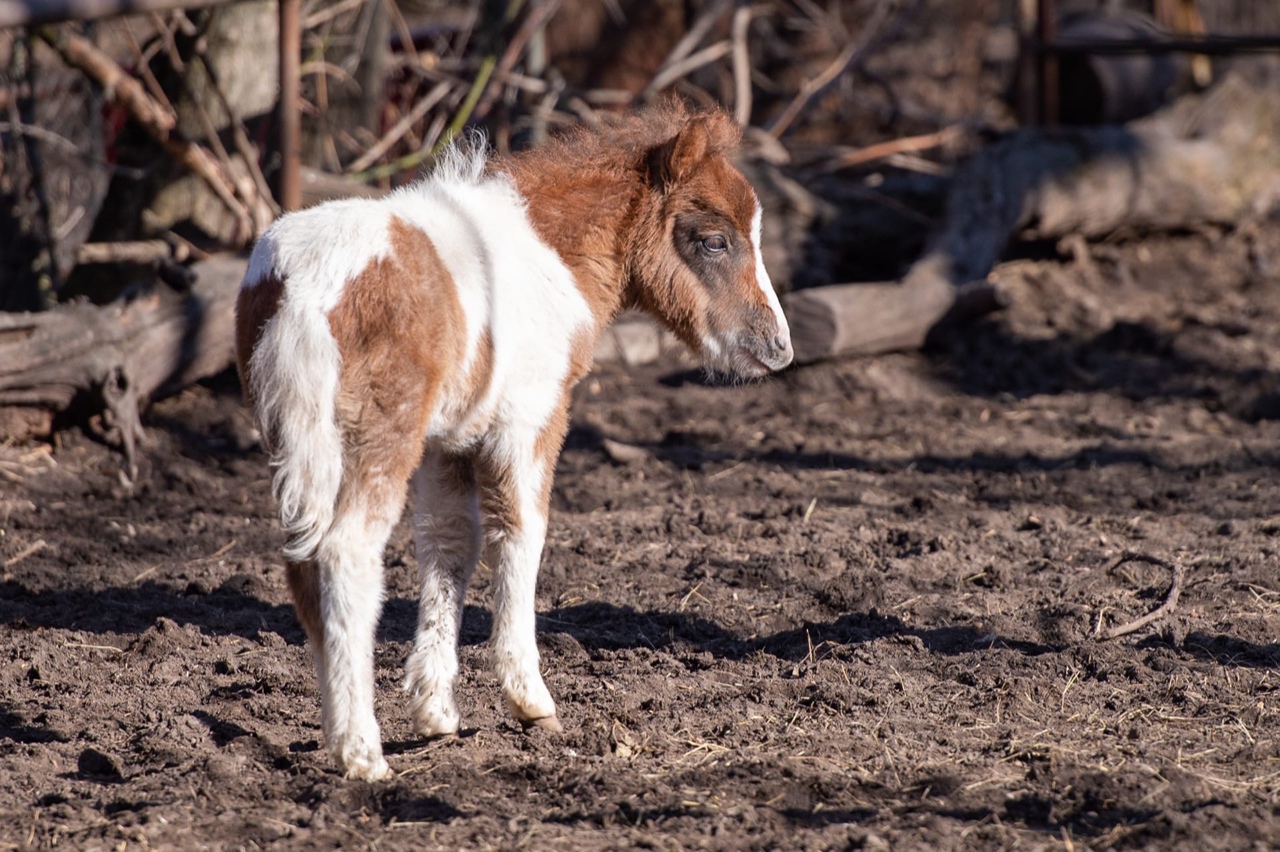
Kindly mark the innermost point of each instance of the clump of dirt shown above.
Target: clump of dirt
(850, 607)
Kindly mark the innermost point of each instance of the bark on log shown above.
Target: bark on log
(869, 319)
(1208, 159)
(138, 348)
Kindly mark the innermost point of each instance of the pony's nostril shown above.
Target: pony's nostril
(782, 343)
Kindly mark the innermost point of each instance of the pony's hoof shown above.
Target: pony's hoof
(368, 770)
(546, 723)
(437, 723)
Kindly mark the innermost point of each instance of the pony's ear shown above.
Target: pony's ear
(702, 136)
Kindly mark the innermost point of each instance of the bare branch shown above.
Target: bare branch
(853, 54)
(515, 49)
(741, 65)
(392, 136)
(81, 54)
(672, 73)
(907, 144)
(1167, 606)
(685, 46)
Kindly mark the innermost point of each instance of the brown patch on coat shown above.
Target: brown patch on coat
(480, 376)
(582, 355)
(549, 443)
(699, 182)
(704, 138)
(581, 216)
(401, 333)
(304, 585)
(499, 503)
(255, 306)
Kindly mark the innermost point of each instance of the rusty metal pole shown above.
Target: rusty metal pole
(290, 116)
(1028, 93)
(1047, 34)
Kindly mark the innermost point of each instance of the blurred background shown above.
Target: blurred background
(384, 83)
(140, 140)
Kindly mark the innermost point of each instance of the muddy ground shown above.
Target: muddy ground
(849, 607)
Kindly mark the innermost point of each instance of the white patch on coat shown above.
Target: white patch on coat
(515, 645)
(510, 284)
(762, 275)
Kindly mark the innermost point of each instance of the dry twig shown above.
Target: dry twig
(684, 47)
(741, 65)
(1167, 606)
(853, 54)
(30, 550)
(402, 127)
(241, 137)
(133, 251)
(81, 54)
(534, 21)
(906, 144)
(675, 71)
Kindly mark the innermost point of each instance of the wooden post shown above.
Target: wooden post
(1028, 96)
(1047, 34)
(290, 116)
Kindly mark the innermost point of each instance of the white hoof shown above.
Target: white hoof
(435, 716)
(360, 758)
(367, 768)
(546, 723)
(533, 705)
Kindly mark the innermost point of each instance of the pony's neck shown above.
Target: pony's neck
(585, 211)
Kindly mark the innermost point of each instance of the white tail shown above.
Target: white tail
(294, 378)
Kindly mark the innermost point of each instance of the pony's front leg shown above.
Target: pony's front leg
(447, 525)
(515, 495)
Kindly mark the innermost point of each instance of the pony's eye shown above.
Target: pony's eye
(715, 244)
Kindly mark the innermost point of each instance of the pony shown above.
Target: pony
(427, 342)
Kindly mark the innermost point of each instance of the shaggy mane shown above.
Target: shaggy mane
(625, 139)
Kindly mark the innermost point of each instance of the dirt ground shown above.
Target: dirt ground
(849, 607)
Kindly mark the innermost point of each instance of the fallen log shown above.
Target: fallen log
(869, 319)
(117, 357)
(1210, 159)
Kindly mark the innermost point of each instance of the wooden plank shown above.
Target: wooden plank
(25, 13)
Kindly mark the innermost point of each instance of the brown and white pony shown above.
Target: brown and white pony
(429, 340)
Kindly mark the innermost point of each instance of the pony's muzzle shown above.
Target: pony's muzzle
(783, 353)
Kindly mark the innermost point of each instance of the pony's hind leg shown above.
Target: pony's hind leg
(350, 580)
(318, 588)
(377, 461)
(448, 537)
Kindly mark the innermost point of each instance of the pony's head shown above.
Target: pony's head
(696, 261)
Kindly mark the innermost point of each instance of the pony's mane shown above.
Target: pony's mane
(621, 141)
(463, 160)
(625, 139)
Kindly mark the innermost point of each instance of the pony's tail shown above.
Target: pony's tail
(293, 381)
